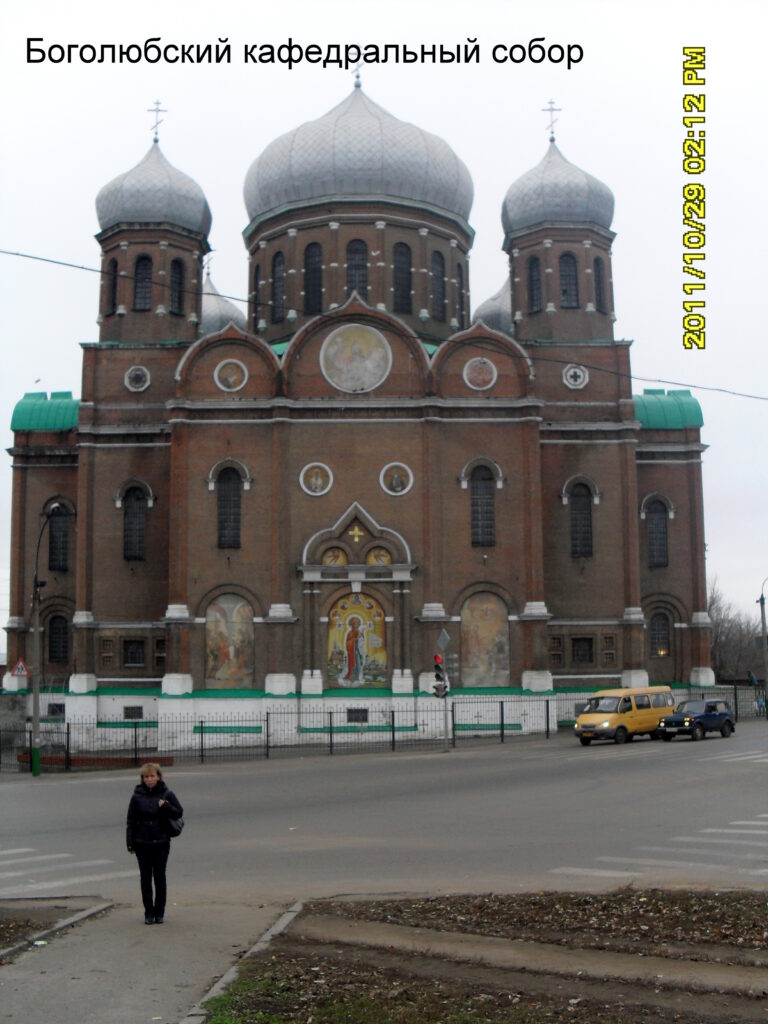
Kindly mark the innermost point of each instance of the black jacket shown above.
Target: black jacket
(146, 819)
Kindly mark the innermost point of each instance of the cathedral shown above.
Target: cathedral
(313, 498)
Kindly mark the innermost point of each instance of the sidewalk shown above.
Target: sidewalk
(113, 969)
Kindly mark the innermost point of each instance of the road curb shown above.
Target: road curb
(198, 1014)
(67, 922)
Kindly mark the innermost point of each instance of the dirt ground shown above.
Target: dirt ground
(304, 982)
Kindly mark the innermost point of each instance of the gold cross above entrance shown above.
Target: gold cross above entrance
(356, 533)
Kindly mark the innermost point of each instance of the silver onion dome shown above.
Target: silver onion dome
(496, 312)
(154, 192)
(556, 190)
(358, 150)
(218, 312)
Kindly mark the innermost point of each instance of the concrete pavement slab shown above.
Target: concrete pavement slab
(115, 970)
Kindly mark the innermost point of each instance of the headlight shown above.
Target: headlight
(604, 725)
(662, 721)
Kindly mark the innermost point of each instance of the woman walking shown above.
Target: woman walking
(152, 804)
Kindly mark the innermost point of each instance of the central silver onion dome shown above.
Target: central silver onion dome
(556, 190)
(358, 150)
(218, 312)
(154, 192)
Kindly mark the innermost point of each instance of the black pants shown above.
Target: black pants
(152, 858)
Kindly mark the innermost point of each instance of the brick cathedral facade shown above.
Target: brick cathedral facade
(302, 500)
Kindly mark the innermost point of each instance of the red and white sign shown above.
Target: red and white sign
(21, 670)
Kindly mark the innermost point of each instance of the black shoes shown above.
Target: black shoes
(149, 919)
(158, 918)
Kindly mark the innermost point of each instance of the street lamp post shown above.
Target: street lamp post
(37, 586)
(761, 602)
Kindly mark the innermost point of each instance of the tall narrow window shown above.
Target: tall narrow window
(357, 268)
(659, 636)
(58, 540)
(278, 288)
(402, 275)
(229, 488)
(460, 291)
(569, 281)
(599, 285)
(111, 304)
(313, 278)
(176, 299)
(438, 287)
(656, 518)
(134, 525)
(534, 285)
(581, 521)
(256, 297)
(58, 639)
(481, 490)
(142, 284)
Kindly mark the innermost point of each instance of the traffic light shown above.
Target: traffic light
(441, 687)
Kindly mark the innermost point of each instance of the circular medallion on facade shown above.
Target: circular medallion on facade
(396, 478)
(334, 556)
(480, 374)
(137, 378)
(355, 358)
(316, 479)
(575, 377)
(231, 375)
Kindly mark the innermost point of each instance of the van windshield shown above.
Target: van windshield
(598, 704)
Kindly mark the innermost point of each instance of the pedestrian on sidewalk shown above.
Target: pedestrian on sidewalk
(149, 810)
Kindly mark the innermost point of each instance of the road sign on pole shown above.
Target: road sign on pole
(21, 671)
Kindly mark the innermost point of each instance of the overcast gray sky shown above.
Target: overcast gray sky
(70, 128)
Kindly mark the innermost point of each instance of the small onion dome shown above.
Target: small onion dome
(358, 151)
(556, 190)
(496, 312)
(218, 312)
(154, 192)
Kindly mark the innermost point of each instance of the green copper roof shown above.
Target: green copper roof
(36, 411)
(671, 410)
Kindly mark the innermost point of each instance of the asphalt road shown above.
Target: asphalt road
(529, 814)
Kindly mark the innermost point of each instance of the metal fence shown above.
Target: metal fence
(312, 728)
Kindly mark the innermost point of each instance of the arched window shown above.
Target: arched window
(229, 488)
(569, 281)
(599, 285)
(660, 635)
(278, 288)
(111, 304)
(656, 517)
(460, 290)
(483, 516)
(438, 287)
(313, 278)
(357, 268)
(256, 297)
(58, 639)
(58, 540)
(176, 299)
(402, 275)
(534, 285)
(580, 501)
(134, 525)
(142, 284)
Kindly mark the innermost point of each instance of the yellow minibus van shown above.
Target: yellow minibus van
(620, 715)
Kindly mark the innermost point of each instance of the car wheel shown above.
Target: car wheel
(726, 730)
(585, 740)
(667, 736)
(621, 735)
(697, 732)
(655, 734)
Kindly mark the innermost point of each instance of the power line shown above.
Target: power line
(539, 358)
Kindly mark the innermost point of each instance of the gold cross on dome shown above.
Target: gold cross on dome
(356, 533)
